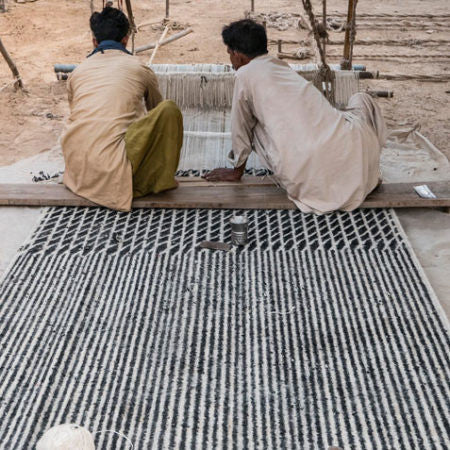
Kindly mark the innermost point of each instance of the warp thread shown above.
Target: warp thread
(131, 447)
(197, 90)
(212, 86)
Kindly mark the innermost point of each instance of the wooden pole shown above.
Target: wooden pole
(280, 45)
(324, 23)
(347, 63)
(158, 45)
(252, 5)
(167, 9)
(165, 41)
(132, 23)
(11, 65)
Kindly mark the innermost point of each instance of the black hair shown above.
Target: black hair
(247, 37)
(109, 25)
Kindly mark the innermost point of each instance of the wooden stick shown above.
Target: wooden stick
(252, 5)
(347, 63)
(165, 42)
(384, 94)
(11, 65)
(167, 9)
(324, 23)
(393, 16)
(398, 55)
(132, 24)
(130, 15)
(158, 44)
(280, 45)
(387, 42)
(436, 78)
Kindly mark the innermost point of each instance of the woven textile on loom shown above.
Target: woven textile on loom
(204, 92)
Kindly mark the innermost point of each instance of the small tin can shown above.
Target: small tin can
(239, 230)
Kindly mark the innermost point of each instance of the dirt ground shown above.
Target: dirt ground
(41, 33)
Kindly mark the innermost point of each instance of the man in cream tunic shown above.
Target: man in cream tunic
(112, 149)
(325, 159)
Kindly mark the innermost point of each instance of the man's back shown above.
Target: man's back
(324, 158)
(106, 95)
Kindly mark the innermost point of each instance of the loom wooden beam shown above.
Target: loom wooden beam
(324, 24)
(11, 65)
(165, 41)
(252, 193)
(347, 62)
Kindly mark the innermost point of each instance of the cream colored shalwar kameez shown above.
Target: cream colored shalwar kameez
(93, 144)
(325, 159)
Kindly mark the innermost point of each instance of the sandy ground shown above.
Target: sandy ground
(45, 32)
(42, 33)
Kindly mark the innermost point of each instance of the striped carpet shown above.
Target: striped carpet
(322, 332)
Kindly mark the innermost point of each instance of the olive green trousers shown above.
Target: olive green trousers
(153, 145)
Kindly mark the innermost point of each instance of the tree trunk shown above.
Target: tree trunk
(11, 65)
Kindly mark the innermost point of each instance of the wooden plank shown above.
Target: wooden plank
(222, 197)
(402, 195)
(246, 180)
(202, 194)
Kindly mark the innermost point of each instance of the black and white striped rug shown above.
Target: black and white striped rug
(322, 332)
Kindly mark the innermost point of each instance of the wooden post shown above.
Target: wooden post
(11, 65)
(252, 5)
(347, 63)
(280, 43)
(132, 24)
(324, 23)
(167, 9)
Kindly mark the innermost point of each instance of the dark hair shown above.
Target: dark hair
(109, 25)
(247, 37)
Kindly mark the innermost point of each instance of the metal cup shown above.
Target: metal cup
(239, 230)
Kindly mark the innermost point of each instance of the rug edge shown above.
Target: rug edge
(434, 298)
(27, 240)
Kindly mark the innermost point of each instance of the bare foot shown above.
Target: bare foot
(223, 175)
